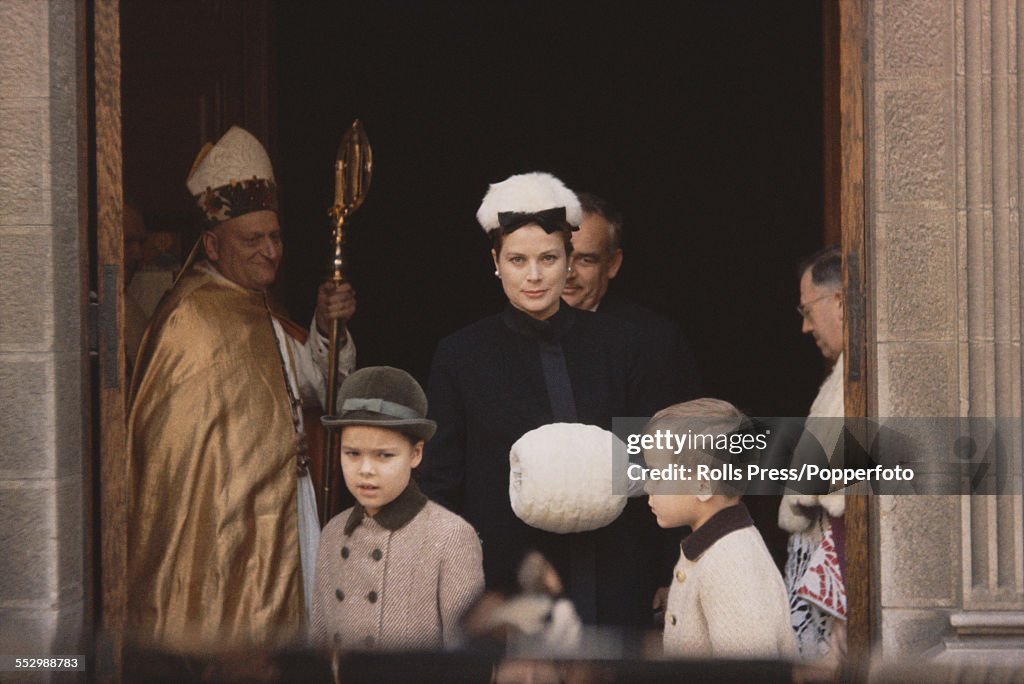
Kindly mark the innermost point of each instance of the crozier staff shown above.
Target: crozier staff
(223, 531)
(539, 361)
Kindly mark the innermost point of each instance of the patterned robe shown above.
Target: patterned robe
(813, 573)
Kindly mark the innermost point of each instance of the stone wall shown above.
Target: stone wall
(42, 388)
(943, 162)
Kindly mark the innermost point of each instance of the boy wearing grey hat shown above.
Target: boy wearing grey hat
(395, 571)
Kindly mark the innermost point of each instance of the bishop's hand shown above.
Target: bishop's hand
(334, 303)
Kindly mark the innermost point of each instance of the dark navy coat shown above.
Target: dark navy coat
(487, 388)
(672, 369)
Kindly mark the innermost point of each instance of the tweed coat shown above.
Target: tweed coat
(727, 599)
(400, 580)
(487, 388)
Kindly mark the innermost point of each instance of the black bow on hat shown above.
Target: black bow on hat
(548, 219)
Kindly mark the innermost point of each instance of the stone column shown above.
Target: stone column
(943, 155)
(42, 388)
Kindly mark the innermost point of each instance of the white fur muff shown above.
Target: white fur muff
(560, 478)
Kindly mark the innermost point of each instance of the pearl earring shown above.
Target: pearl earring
(496, 273)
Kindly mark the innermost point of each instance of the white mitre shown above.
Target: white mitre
(561, 478)
(238, 156)
(528, 193)
(232, 178)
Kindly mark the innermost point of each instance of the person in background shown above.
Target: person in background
(596, 259)
(672, 369)
(815, 561)
(135, 319)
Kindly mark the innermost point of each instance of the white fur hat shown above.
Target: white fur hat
(233, 177)
(521, 198)
(561, 478)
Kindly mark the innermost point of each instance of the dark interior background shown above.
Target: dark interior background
(702, 121)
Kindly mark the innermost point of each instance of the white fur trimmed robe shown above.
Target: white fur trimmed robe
(814, 580)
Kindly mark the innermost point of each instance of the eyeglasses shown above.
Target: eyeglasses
(804, 309)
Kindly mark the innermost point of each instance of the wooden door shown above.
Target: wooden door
(844, 203)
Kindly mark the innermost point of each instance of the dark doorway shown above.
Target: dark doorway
(702, 121)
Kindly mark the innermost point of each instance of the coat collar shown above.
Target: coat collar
(394, 515)
(548, 330)
(720, 524)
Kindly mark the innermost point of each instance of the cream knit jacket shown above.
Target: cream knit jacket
(727, 598)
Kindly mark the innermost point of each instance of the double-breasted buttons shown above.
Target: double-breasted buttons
(344, 552)
(372, 596)
(672, 620)
(680, 576)
(340, 594)
(376, 555)
(337, 637)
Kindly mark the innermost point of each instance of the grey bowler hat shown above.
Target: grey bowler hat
(382, 396)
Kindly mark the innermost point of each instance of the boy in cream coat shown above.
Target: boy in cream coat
(727, 598)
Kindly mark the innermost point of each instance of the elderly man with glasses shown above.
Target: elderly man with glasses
(816, 549)
(821, 302)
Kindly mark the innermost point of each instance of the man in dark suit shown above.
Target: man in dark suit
(671, 370)
(595, 261)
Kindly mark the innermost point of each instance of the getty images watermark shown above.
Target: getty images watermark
(774, 456)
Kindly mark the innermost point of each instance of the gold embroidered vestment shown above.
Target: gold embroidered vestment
(213, 550)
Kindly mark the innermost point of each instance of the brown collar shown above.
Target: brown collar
(394, 515)
(717, 526)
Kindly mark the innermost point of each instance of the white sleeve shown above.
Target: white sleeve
(311, 363)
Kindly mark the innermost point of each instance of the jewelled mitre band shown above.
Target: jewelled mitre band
(236, 199)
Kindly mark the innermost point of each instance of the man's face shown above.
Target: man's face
(377, 463)
(822, 309)
(246, 249)
(592, 264)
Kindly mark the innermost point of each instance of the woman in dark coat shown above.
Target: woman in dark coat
(538, 362)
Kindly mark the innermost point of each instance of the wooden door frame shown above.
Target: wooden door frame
(845, 205)
(113, 504)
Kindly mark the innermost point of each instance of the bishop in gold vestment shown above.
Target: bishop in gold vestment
(221, 513)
